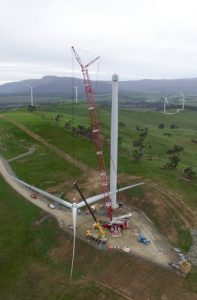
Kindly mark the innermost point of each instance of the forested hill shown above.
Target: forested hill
(62, 86)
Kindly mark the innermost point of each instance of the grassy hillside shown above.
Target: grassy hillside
(156, 143)
(35, 260)
(28, 270)
(167, 198)
(35, 254)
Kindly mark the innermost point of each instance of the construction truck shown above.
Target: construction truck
(142, 239)
(97, 233)
(180, 262)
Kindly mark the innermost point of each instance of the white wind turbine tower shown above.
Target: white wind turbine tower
(183, 98)
(165, 102)
(76, 93)
(31, 92)
(113, 190)
(114, 139)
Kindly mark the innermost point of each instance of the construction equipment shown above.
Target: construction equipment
(74, 207)
(95, 124)
(142, 239)
(115, 226)
(100, 235)
(184, 266)
(180, 261)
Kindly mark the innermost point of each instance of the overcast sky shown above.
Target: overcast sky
(135, 38)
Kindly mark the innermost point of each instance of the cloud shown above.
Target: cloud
(137, 39)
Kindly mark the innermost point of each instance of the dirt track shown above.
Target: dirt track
(188, 217)
(131, 277)
(55, 149)
(31, 150)
(159, 249)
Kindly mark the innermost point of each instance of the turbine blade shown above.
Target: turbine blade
(182, 94)
(167, 101)
(74, 214)
(101, 196)
(48, 195)
(29, 86)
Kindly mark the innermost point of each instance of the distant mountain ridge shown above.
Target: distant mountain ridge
(54, 86)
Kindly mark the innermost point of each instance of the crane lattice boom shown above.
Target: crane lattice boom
(95, 130)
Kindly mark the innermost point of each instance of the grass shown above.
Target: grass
(82, 148)
(45, 167)
(12, 141)
(191, 280)
(27, 269)
(184, 239)
(40, 168)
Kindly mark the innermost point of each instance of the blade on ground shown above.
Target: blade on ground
(48, 195)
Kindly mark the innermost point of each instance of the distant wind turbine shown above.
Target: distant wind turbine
(165, 102)
(183, 98)
(76, 93)
(31, 92)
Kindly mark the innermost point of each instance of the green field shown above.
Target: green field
(25, 248)
(35, 260)
(27, 268)
(156, 144)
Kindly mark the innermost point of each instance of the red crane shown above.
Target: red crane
(95, 130)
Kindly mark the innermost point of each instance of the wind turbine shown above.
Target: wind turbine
(76, 93)
(164, 110)
(31, 92)
(114, 139)
(183, 98)
(165, 102)
(113, 190)
(73, 206)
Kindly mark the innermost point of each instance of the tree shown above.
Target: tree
(57, 118)
(68, 124)
(175, 150)
(173, 126)
(173, 156)
(137, 155)
(139, 143)
(174, 160)
(189, 173)
(161, 126)
(31, 108)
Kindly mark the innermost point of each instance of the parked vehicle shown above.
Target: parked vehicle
(51, 205)
(33, 195)
(142, 239)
